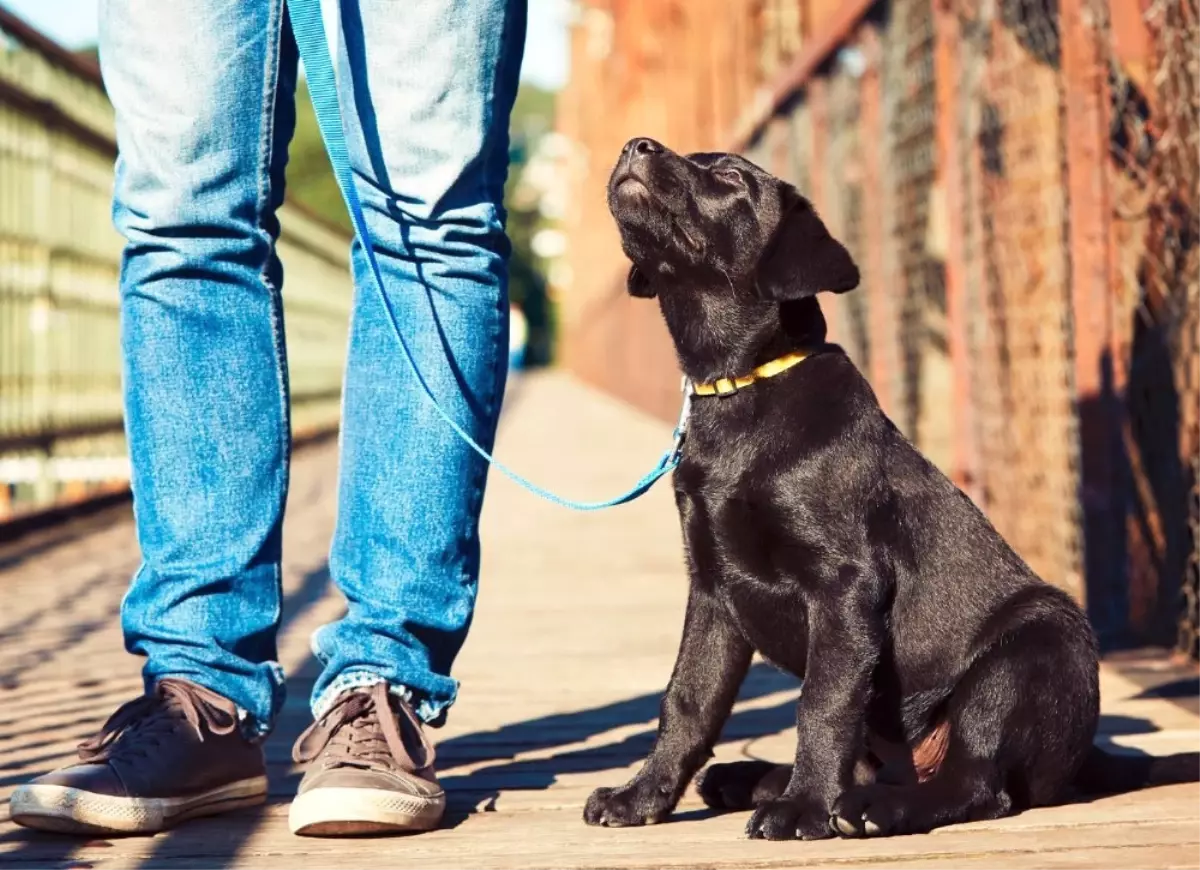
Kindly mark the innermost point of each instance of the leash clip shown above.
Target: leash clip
(685, 411)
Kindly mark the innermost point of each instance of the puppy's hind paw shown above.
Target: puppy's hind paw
(884, 810)
(742, 785)
(871, 811)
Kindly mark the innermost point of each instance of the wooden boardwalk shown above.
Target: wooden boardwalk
(578, 620)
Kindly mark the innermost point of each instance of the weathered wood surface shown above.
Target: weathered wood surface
(573, 641)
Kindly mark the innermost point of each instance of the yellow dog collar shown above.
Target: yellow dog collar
(729, 386)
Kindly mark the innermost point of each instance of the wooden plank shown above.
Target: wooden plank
(573, 641)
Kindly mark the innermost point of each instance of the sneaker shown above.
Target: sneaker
(370, 770)
(171, 755)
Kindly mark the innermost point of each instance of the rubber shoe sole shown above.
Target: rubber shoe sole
(340, 812)
(67, 810)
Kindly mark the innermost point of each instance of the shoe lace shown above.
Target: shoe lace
(140, 725)
(367, 730)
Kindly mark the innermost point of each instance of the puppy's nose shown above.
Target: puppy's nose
(643, 146)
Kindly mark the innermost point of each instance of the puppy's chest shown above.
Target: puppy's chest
(747, 535)
(757, 565)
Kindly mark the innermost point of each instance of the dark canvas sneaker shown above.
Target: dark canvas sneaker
(170, 755)
(370, 770)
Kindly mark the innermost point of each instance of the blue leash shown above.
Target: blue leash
(309, 29)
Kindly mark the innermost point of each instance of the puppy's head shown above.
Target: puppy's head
(718, 222)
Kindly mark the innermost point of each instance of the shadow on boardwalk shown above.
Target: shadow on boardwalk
(217, 842)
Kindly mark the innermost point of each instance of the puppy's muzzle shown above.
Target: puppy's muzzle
(633, 162)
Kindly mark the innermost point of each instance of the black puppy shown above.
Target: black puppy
(943, 681)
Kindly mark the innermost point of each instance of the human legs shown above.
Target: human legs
(203, 99)
(427, 91)
(204, 102)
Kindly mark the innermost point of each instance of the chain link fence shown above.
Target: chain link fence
(1019, 182)
(971, 320)
(841, 202)
(1152, 67)
(914, 241)
(1017, 299)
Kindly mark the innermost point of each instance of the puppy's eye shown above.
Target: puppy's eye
(728, 175)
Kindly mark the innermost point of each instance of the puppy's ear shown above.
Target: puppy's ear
(802, 259)
(638, 285)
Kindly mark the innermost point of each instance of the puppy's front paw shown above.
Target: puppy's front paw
(789, 819)
(639, 803)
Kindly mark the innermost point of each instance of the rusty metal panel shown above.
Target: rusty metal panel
(758, 151)
(825, 27)
(881, 321)
(820, 189)
(800, 135)
(1020, 302)
(791, 23)
(915, 232)
(778, 159)
(950, 196)
(1153, 182)
(1085, 118)
(844, 208)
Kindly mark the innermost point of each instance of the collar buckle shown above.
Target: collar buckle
(725, 386)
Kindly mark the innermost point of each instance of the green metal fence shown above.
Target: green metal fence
(61, 435)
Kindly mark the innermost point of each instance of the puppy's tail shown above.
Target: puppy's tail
(1102, 773)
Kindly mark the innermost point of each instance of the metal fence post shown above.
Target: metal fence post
(818, 101)
(61, 434)
(1086, 99)
(880, 311)
(948, 78)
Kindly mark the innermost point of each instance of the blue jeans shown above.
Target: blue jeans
(204, 96)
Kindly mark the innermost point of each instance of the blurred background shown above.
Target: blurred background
(1018, 179)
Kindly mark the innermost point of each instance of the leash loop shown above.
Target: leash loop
(309, 29)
